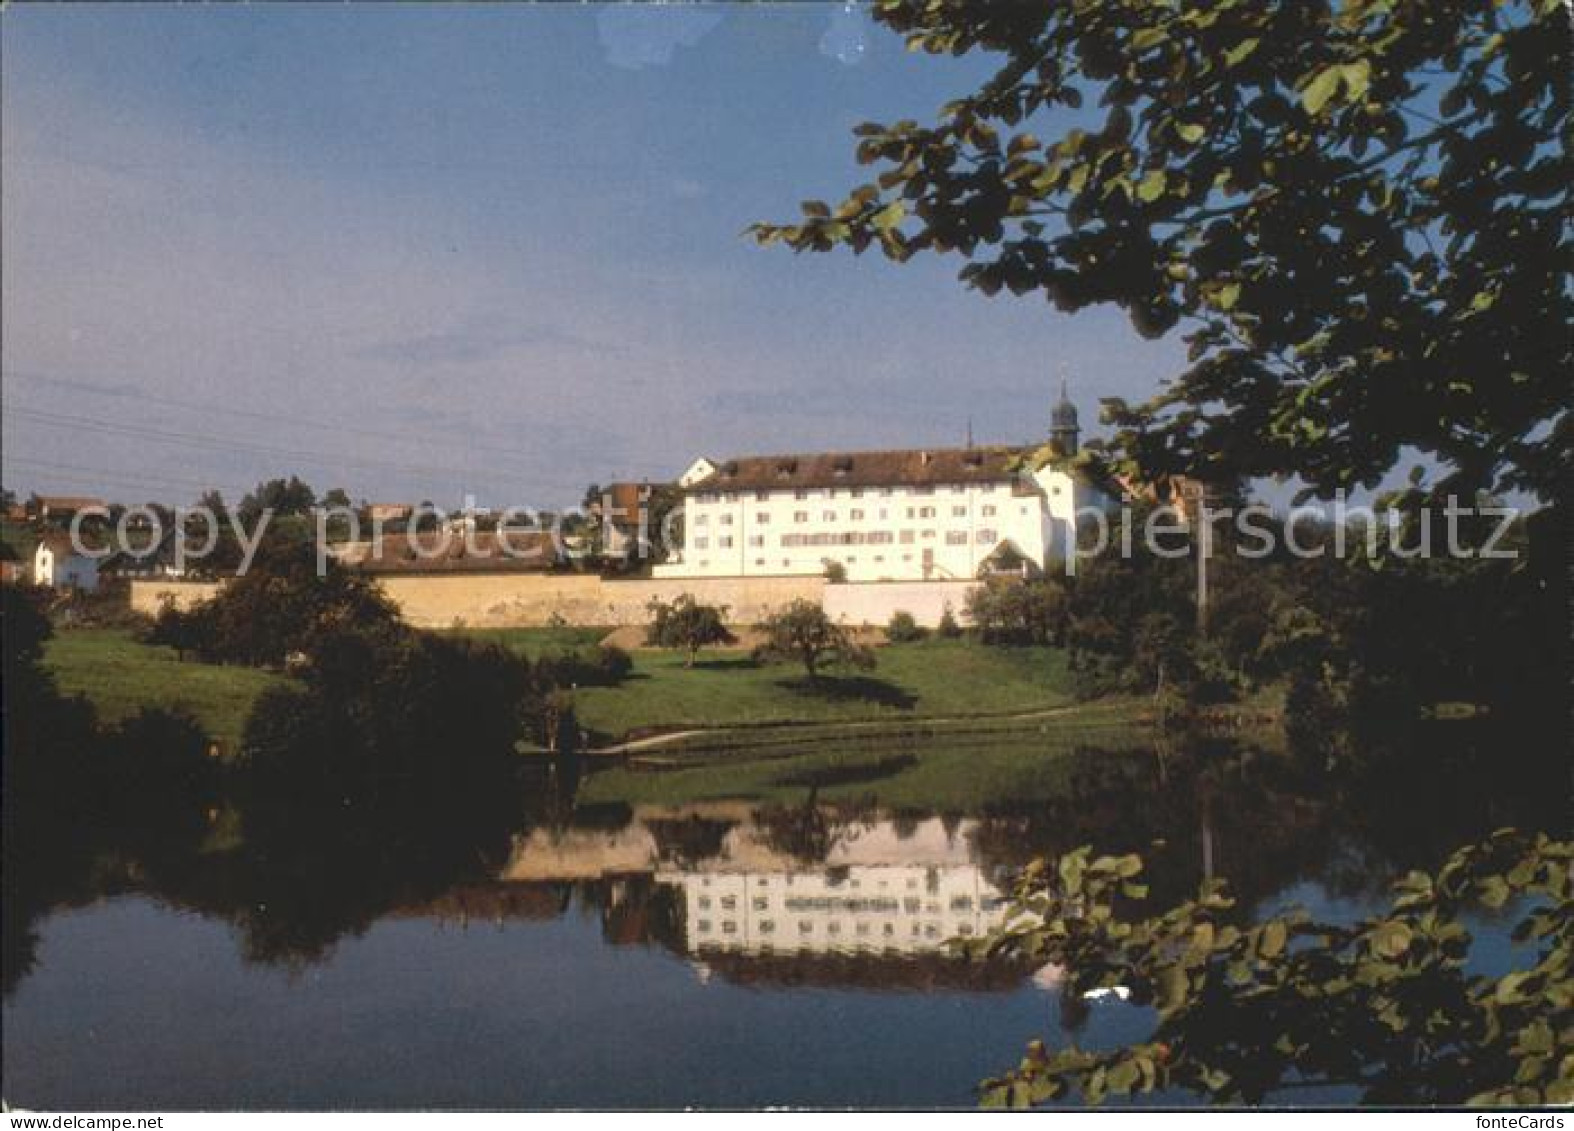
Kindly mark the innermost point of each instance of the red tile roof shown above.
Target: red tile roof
(451, 552)
(912, 467)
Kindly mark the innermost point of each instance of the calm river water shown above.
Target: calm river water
(724, 954)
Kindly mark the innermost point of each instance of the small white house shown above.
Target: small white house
(58, 564)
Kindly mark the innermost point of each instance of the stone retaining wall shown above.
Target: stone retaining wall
(525, 600)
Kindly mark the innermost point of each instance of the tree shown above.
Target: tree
(1009, 610)
(1391, 1005)
(802, 631)
(688, 625)
(279, 607)
(1357, 209)
(282, 497)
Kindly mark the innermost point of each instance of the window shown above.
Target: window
(704, 903)
(958, 489)
(730, 497)
(800, 516)
(800, 493)
(763, 518)
(988, 510)
(884, 514)
(856, 515)
(926, 535)
(759, 561)
(907, 539)
(701, 520)
(956, 512)
(926, 512)
(857, 492)
(704, 926)
(956, 537)
(828, 516)
(761, 903)
(724, 542)
(762, 496)
(726, 520)
(805, 927)
(887, 492)
(767, 927)
(986, 535)
(701, 543)
(729, 902)
(912, 512)
(728, 927)
(923, 490)
(756, 539)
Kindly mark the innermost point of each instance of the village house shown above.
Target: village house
(60, 565)
(57, 508)
(506, 551)
(906, 515)
(389, 512)
(617, 514)
(153, 560)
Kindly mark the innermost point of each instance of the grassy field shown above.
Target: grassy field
(119, 676)
(537, 642)
(932, 679)
(955, 767)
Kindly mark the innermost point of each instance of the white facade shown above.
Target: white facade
(910, 532)
(894, 908)
(61, 568)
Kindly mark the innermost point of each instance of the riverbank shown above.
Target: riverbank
(120, 677)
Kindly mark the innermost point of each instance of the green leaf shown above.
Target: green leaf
(1152, 186)
(1190, 132)
(1274, 936)
(1321, 89)
(1391, 939)
(889, 216)
(1148, 37)
(1242, 49)
(1357, 77)
(1225, 297)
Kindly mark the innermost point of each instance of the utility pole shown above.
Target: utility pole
(1204, 551)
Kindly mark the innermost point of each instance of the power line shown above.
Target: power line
(201, 407)
(231, 445)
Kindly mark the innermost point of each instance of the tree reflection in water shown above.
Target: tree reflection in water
(295, 870)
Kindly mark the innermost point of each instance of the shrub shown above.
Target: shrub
(1013, 611)
(687, 625)
(804, 632)
(948, 629)
(605, 666)
(903, 629)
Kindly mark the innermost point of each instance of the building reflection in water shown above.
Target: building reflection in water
(794, 896)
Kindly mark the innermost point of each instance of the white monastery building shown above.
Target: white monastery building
(907, 515)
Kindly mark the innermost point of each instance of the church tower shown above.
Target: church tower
(1063, 429)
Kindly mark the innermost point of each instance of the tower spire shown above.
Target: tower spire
(1063, 426)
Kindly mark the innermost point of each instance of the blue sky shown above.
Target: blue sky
(419, 252)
